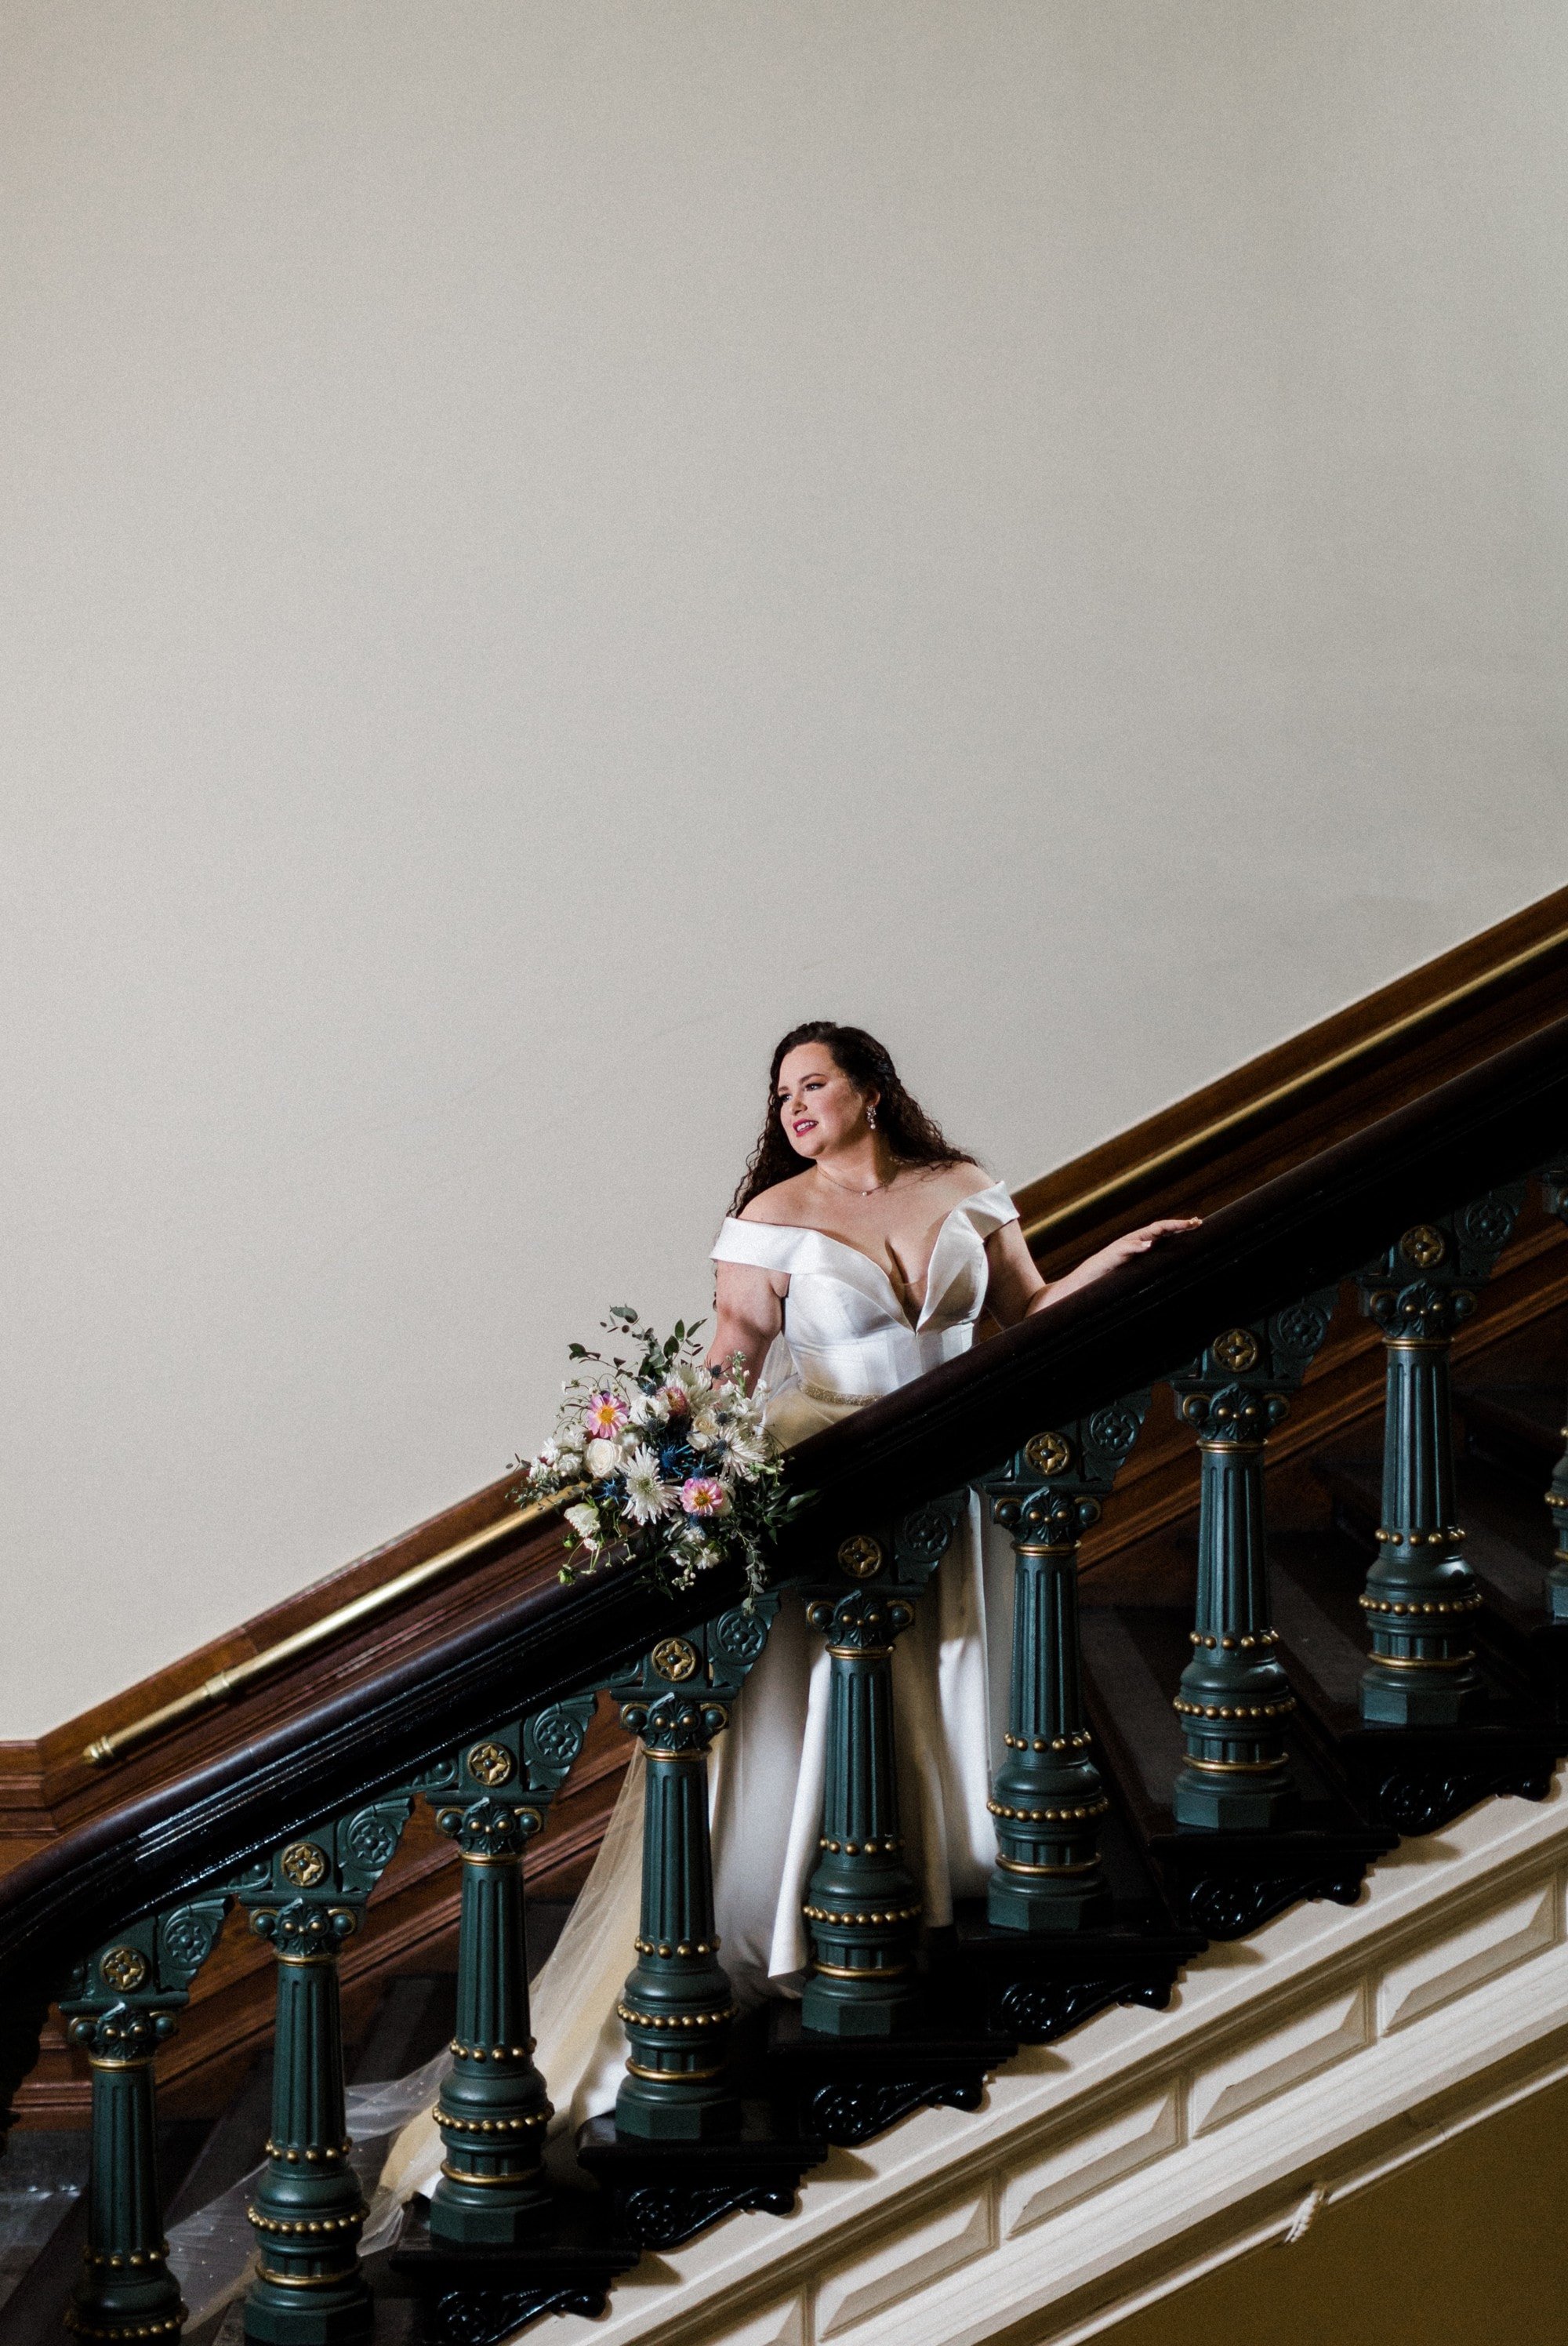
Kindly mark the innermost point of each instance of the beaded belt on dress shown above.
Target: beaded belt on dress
(841, 1400)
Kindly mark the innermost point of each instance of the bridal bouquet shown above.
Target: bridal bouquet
(677, 1462)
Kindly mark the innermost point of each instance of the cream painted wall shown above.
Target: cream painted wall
(546, 541)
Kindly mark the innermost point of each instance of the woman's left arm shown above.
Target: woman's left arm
(1016, 1289)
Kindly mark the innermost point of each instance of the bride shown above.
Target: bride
(859, 1253)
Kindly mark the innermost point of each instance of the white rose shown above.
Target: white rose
(603, 1458)
(584, 1521)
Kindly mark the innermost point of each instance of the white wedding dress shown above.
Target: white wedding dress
(846, 1340)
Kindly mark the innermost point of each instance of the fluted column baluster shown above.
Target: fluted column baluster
(308, 2211)
(1235, 1697)
(119, 2006)
(125, 2289)
(861, 1903)
(677, 2007)
(1421, 1594)
(862, 1907)
(1047, 1797)
(492, 1798)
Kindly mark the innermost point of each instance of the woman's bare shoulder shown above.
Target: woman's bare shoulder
(951, 1184)
(783, 1204)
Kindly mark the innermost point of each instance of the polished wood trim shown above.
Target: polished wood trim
(225, 1684)
(1320, 1086)
(46, 1785)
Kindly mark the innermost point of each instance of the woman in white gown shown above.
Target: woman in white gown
(861, 1252)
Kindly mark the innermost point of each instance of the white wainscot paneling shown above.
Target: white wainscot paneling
(1526, 1926)
(1088, 2163)
(1272, 2064)
(783, 2323)
(912, 2259)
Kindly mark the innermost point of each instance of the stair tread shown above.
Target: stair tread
(40, 2187)
(1529, 1415)
(34, 2307)
(1316, 1580)
(1138, 1731)
(412, 2023)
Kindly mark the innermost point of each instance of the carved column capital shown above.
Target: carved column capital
(489, 1828)
(1236, 1415)
(675, 1726)
(124, 2035)
(305, 1931)
(1051, 1518)
(1420, 1312)
(863, 1623)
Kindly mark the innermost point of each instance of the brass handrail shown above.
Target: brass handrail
(240, 1675)
(1196, 1142)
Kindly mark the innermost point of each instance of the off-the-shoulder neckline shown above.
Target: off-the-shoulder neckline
(810, 1229)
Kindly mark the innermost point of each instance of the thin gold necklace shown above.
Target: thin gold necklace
(849, 1191)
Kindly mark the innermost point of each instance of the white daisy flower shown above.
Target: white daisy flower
(647, 1497)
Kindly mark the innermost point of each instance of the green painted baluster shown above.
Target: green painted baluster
(677, 2007)
(1556, 1188)
(308, 2211)
(1235, 1697)
(862, 1903)
(493, 2108)
(1419, 1594)
(120, 2006)
(1047, 1797)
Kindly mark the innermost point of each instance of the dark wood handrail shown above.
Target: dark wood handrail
(1310, 1226)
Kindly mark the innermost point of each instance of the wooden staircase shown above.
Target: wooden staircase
(1201, 1743)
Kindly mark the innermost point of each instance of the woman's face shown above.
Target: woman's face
(819, 1106)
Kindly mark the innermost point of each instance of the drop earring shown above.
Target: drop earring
(871, 1119)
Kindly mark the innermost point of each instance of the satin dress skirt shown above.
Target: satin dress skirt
(766, 1777)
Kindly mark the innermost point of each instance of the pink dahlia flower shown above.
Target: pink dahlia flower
(605, 1416)
(704, 1494)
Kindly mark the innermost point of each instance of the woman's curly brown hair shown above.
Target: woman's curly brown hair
(914, 1137)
